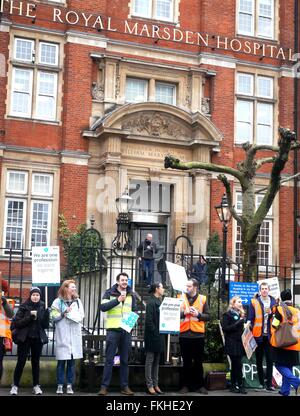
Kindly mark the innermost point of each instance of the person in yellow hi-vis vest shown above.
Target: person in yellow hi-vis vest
(194, 314)
(6, 313)
(286, 357)
(117, 301)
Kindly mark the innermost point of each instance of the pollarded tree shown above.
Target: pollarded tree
(251, 218)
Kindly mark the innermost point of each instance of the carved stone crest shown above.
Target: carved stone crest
(98, 91)
(205, 106)
(154, 124)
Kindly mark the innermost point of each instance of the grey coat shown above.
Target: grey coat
(68, 337)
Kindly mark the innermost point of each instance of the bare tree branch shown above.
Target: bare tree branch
(281, 182)
(226, 184)
(264, 160)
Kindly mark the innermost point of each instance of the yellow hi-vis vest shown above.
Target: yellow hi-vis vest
(5, 331)
(258, 320)
(190, 322)
(295, 330)
(115, 315)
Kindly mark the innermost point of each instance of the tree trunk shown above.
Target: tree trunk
(250, 254)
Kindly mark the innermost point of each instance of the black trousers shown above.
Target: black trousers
(264, 348)
(236, 373)
(2, 352)
(35, 346)
(192, 350)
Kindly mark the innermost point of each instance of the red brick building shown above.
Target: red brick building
(94, 94)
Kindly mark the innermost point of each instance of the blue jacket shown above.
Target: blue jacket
(251, 316)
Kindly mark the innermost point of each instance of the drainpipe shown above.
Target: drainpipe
(296, 152)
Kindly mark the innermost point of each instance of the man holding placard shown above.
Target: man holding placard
(119, 302)
(194, 314)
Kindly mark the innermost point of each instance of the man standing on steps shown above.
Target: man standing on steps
(194, 314)
(117, 301)
(260, 315)
(146, 251)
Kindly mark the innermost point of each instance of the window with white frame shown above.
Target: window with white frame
(27, 209)
(264, 237)
(136, 90)
(154, 9)
(34, 88)
(165, 93)
(256, 18)
(254, 109)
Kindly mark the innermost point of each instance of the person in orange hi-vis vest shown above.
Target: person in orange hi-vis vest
(194, 314)
(287, 357)
(6, 313)
(260, 315)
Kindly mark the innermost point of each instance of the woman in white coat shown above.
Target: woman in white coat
(67, 313)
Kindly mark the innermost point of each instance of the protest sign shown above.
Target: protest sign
(177, 276)
(45, 266)
(244, 290)
(249, 342)
(169, 317)
(129, 321)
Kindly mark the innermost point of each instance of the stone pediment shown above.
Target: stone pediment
(157, 122)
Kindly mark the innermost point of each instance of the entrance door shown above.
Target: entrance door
(159, 233)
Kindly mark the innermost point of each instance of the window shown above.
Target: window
(254, 109)
(256, 18)
(264, 237)
(165, 93)
(150, 196)
(154, 9)
(34, 90)
(136, 90)
(30, 225)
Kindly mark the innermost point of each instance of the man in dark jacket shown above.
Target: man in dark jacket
(118, 301)
(199, 271)
(146, 251)
(260, 315)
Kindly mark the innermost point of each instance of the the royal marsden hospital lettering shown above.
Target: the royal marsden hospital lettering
(168, 33)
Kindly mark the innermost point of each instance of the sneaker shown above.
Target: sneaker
(69, 389)
(202, 390)
(242, 390)
(59, 389)
(184, 390)
(102, 391)
(37, 390)
(13, 390)
(234, 389)
(272, 389)
(126, 390)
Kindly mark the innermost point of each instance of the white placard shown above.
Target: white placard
(249, 342)
(169, 316)
(45, 266)
(274, 286)
(178, 276)
(129, 321)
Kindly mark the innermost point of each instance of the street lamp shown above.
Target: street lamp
(224, 215)
(122, 240)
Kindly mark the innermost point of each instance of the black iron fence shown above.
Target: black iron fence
(95, 269)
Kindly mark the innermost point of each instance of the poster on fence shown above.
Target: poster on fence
(249, 342)
(45, 266)
(169, 317)
(177, 276)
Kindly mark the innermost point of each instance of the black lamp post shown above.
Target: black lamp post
(122, 240)
(224, 215)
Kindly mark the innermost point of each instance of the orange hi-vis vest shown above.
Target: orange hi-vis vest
(295, 330)
(190, 322)
(5, 331)
(258, 321)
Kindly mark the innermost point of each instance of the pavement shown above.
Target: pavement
(50, 391)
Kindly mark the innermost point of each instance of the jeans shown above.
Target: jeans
(23, 350)
(116, 340)
(148, 267)
(236, 373)
(288, 379)
(152, 369)
(192, 350)
(264, 347)
(60, 371)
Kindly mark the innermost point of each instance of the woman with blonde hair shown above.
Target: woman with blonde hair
(233, 326)
(67, 313)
